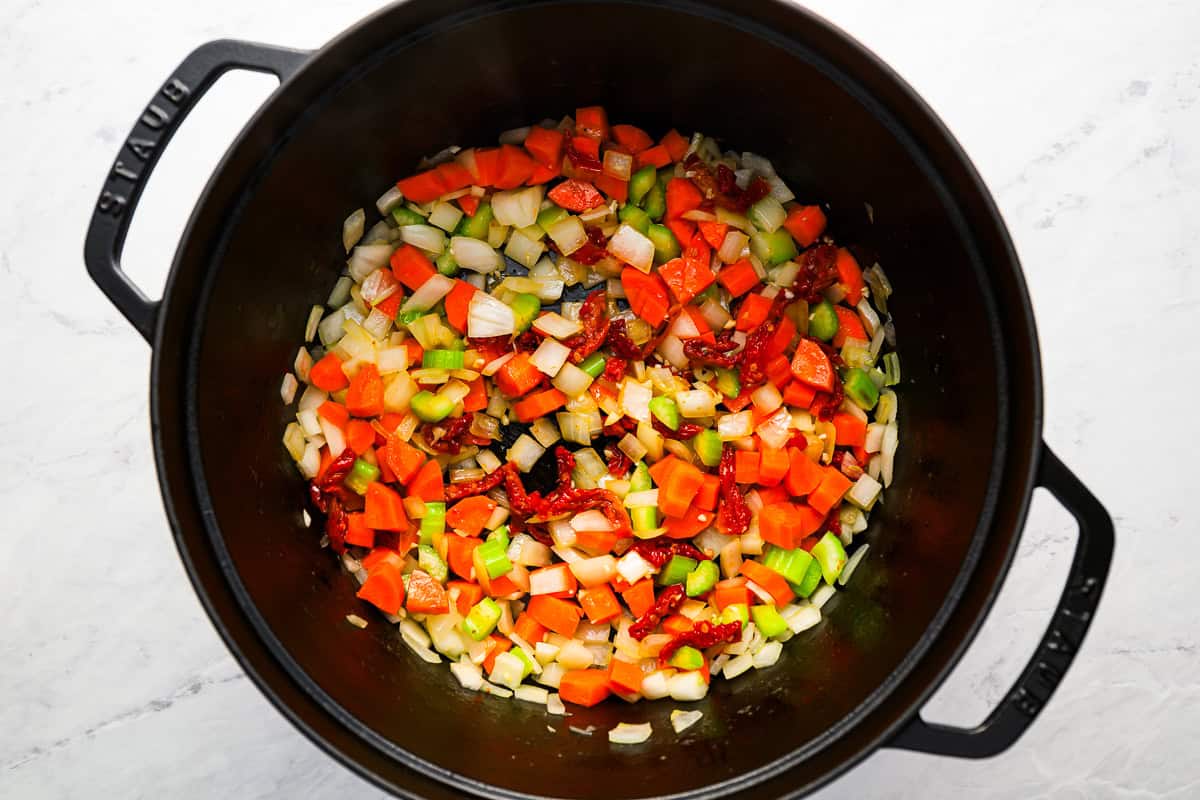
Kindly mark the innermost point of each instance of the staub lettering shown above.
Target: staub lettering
(176, 90)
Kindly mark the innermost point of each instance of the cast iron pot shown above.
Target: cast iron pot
(262, 246)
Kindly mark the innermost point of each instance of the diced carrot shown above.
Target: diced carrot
(411, 267)
(425, 594)
(738, 403)
(770, 580)
(518, 376)
(584, 687)
(753, 312)
(785, 331)
(402, 458)
(694, 520)
(529, 628)
(515, 167)
(805, 224)
(383, 589)
(427, 483)
(779, 371)
(541, 174)
(615, 188)
(385, 508)
(476, 399)
(625, 676)
(773, 465)
(738, 277)
(777, 524)
(679, 489)
(589, 148)
(639, 597)
(745, 466)
(454, 176)
(829, 493)
(677, 624)
(647, 295)
(706, 333)
(850, 275)
(390, 305)
(422, 187)
(364, 398)
(592, 121)
(660, 469)
(539, 404)
(811, 521)
(713, 233)
(710, 490)
(684, 231)
(469, 203)
(773, 494)
(458, 304)
(799, 394)
(468, 594)
(360, 436)
(460, 555)
(560, 616)
(545, 145)
(599, 603)
(469, 515)
(676, 145)
(335, 414)
(415, 351)
(597, 543)
(487, 165)
(812, 366)
(383, 555)
(496, 645)
(803, 475)
(576, 195)
(658, 157)
(631, 137)
(687, 277)
(731, 591)
(849, 327)
(556, 580)
(327, 374)
(851, 431)
(682, 197)
(358, 533)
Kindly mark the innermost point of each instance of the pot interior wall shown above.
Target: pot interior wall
(658, 68)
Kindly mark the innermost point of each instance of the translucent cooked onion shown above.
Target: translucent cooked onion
(523, 250)
(550, 356)
(352, 228)
(367, 258)
(553, 324)
(475, 255)
(732, 246)
(617, 164)
(488, 317)
(518, 207)
(629, 245)
(425, 237)
(389, 200)
(568, 234)
(626, 733)
(429, 293)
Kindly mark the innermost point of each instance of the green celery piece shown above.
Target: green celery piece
(635, 218)
(482, 619)
(655, 202)
(500, 535)
(687, 657)
(640, 480)
(430, 407)
(523, 657)
(434, 522)
(830, 554)
(702, 579)
(812, 578)
(791, 564)
(594, 365)
(728, 383)
(409, 317)
(362, 475)
(823, 321)
(525, 309)
(641, 182)
(476, 227)
(666, 411)
(548, 216)
(860, 388)
(708, 445)
(735, 612)
(406, 216)
(442, 359)
(494, 558)
(447, 265)
(773, 248)
(643, 518)
(676, 570)
(666, 246)
(891, 369)
(429, 560)
(768, 620)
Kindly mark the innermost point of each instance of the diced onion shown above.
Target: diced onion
(629, 245)
(735, 426)
(532, 694)
(776, 430)
(632, 567)
(625, 733)
(631, 446)
(389, 200)
(493, 366)
(574, 427)
(801, 617)
(518, 207)
(695, 403)
(367, 258)
(487, 317)
(618, 164)
(767, 398)
(469, 675)
(429, 293)
(644, 499)
(425, 237)
(852, 564)
(525, 452)
(870, 319)
(891, 440)
(687, 686)
(553, 324)
(635, 400)
(780, 190)
(732, 246)
(514, 135)
(591, 520)
(287, 390)
(864, 492)
(554, 705)
(767, 655)
(352, 228)
(671, 349)
(767, 214)
(568, 234)
(550, 356)
(522, 249)
(474, 254)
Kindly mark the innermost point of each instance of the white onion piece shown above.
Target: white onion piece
(568, 234)
(340, 294)
(735, 426)
(352, 228)
(800, 617)
(776, 430)
(553, 324)
(625, 733)
(445, 216)
(425, 237)
(866, 313)
(518, 207)
(864, 492)
(591, 520)
(684, 327)
(379, 286)
(629, 245)
(474, 254)
(618, 164)
(767, 214)
(389, 200)
(311, 399)
(487, 317)
(768, 655)
(429, 293)
(367, 258)
(654, 685)
(550, 357)
(891, 440)
(780, 190)
(632, 567)
(767, 398)
(671, 349)
(686, 686)
(594, 571)
(525, 452)
(514, 135)
(695, 403)
(852, 564)
(635, 400)
(522, 249)
(696, 215)
(714, 314)
(732, 246)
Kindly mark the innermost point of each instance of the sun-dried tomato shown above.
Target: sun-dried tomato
(733, 518)
(566, 498)
(331, 483)
(666, 603)
(717, 354)
(337, 523)
(527, 342)
(818, 271)
(658, 551)
(457, 491)
(452, 435)
(593, 316)
(618, 462)
(687, 430)
(703, 634)
(519, 501)
(580, 160)
(614, 368)
(754, 354)
(826, 404)
(798, 440)
(491, 347)
(721, 185)
(621, 427)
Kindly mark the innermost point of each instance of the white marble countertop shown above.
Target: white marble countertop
(113, 682)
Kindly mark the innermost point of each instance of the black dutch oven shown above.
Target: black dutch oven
(261, 247)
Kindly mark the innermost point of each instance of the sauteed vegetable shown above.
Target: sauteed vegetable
(595, 414)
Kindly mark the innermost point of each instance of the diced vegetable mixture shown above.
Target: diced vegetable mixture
(591, 414)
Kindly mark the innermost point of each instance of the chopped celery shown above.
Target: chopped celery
(429, 560)
(525, 660)
(525, 308)
(891, 369)
(442, 359)
(593, 365)
(643, 518)
(687, 657)
(811, 579)
(708, 447)
(434, 522)
(728, 383)
(830, 554)
(500, 535)
(494, 557)
(702, 579)
(791, 564)
(666, 246)
(768, 620)
(406, 216)
(548, 216)
(447, 265)
(641, 182)
(655, 202)
(860, 388)
(823, 321)
(666, 411)
(773, 248)
(409, 317)
(362, 474)
(735, 612)
(676, 570)
(430, 407)
(482, 619)
(635, 218)
(476, 227)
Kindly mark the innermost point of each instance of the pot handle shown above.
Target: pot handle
(140, 152)
(1054, 654)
